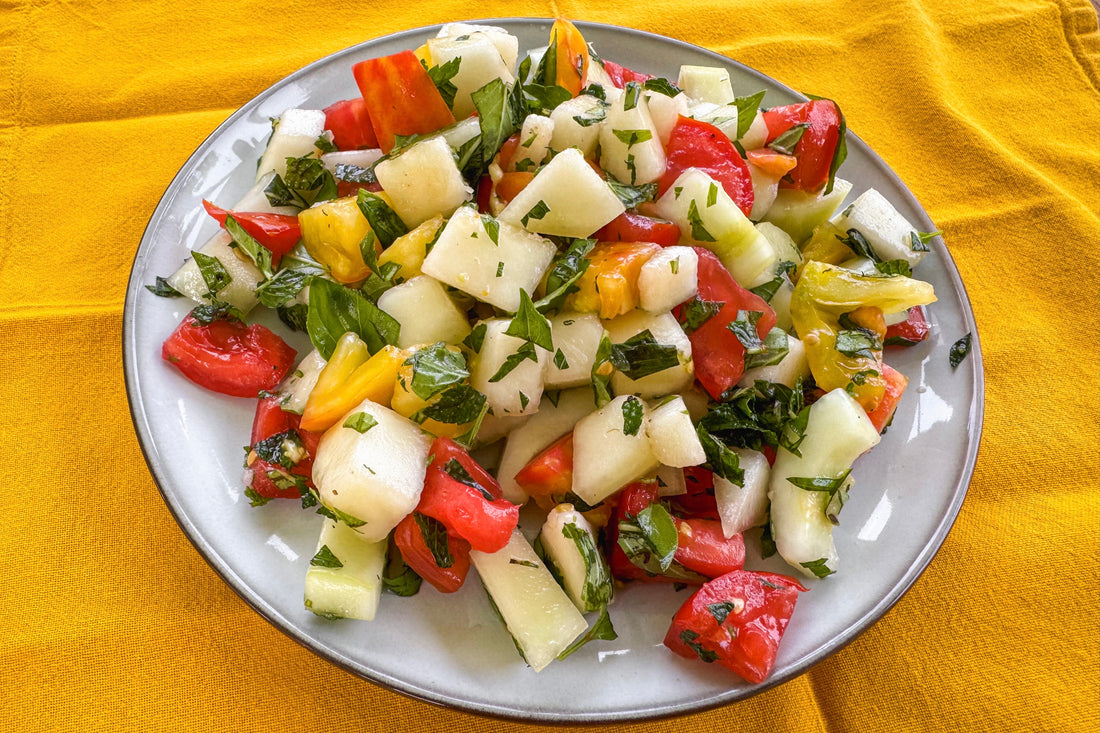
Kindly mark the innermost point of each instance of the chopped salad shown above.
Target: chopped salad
(640, 307)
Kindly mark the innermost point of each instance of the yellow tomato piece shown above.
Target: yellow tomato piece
(332, 233)
(351, 375)
(571, 59)
(825, 246)
(610, 284)
(410, 249)
(823, 295)
(406, 402)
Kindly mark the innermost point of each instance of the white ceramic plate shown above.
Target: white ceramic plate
(451, 650)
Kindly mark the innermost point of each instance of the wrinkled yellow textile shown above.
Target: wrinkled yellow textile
(990, 112)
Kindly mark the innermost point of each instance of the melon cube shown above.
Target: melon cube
(295, 135)
(668, 278)
(630, 145)
(489, 259)
(566, 198)
(672, 435)
(577, 124)
(576, 338)
(666, 331)
(479, 62)
(241, 290)
(611, 449)
(519, 391)
(888, 232)
(423, 181)
(706, 83)
(425, 311)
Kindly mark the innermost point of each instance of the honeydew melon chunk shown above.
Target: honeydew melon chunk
(491, 268)
(371, 480)
(294, 136)
(798, 213)
(506, 44)
(630, 145)
(665, 111)
(765, 187)
(534, 142)
(577, 124)
(423, 181)
(886, 230)
(598, 75)
(709, 218)
(837, 433)
(551, 422)
(666, 330)
(569, 544)
(520, 390)
(480, 62)
(353, 589)
(566, 198)
(256, 201)
(722, 116)
(668, 278)
(358, 158)
(786, 372)
(425, 311)
(461, 132)
(295, 390)
(538, 614)
(576, 339)
(706, 83)
(605, 456)
(746, 506)
(671, 481)
(757, 135)
(494, 428)
(672, 435)
(245, 276)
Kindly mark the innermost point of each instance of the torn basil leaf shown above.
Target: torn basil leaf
(641, 355)
(334, 310)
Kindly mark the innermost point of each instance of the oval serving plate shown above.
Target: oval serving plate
(452, 650)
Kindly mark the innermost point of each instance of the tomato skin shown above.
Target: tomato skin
(487, 524)
(718, 354)
(911, 331)
(698, 501)
(630, 226)
(816, 147)
(550, 473)
(350, 124)
(697, 144)
(278, 233)
(418, 556)
(400, 97)
(896, 382)
(271, 420)
(760, 606)
(702, 548)
(228, 357)
(620, 75)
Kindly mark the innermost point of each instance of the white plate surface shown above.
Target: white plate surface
(451, 650)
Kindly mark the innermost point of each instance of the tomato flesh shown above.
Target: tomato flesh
(630, 226)
(350, 124)
(400, 97)
(737, 620)
(620, 75)
(228, 357)
(718, 354)
(896, 382)
(278, 233)
(477, 513)
(911, 331)
(414, 549)
(697, 144)
(271, 419)
(817, 146)
(550, 473)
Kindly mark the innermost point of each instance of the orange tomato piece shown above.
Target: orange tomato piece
(610, 284)
(571, 58)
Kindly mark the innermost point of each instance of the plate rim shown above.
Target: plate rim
(931, 547)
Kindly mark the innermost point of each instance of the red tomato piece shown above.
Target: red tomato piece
(704, 549)
(277, 232)
(269, 480)
(696, 144)
(466, 498)
(698, 501)
(911, 331)
(550, 473)
(630, 226)
(620, 75)
(816, 147)
(414, 548)
(718, 354)
(350, 124)
(227, 356)
(737, 620)
(896, 382)
(630, 500)
(401, 99)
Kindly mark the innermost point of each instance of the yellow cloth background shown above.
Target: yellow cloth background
(109, 619)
